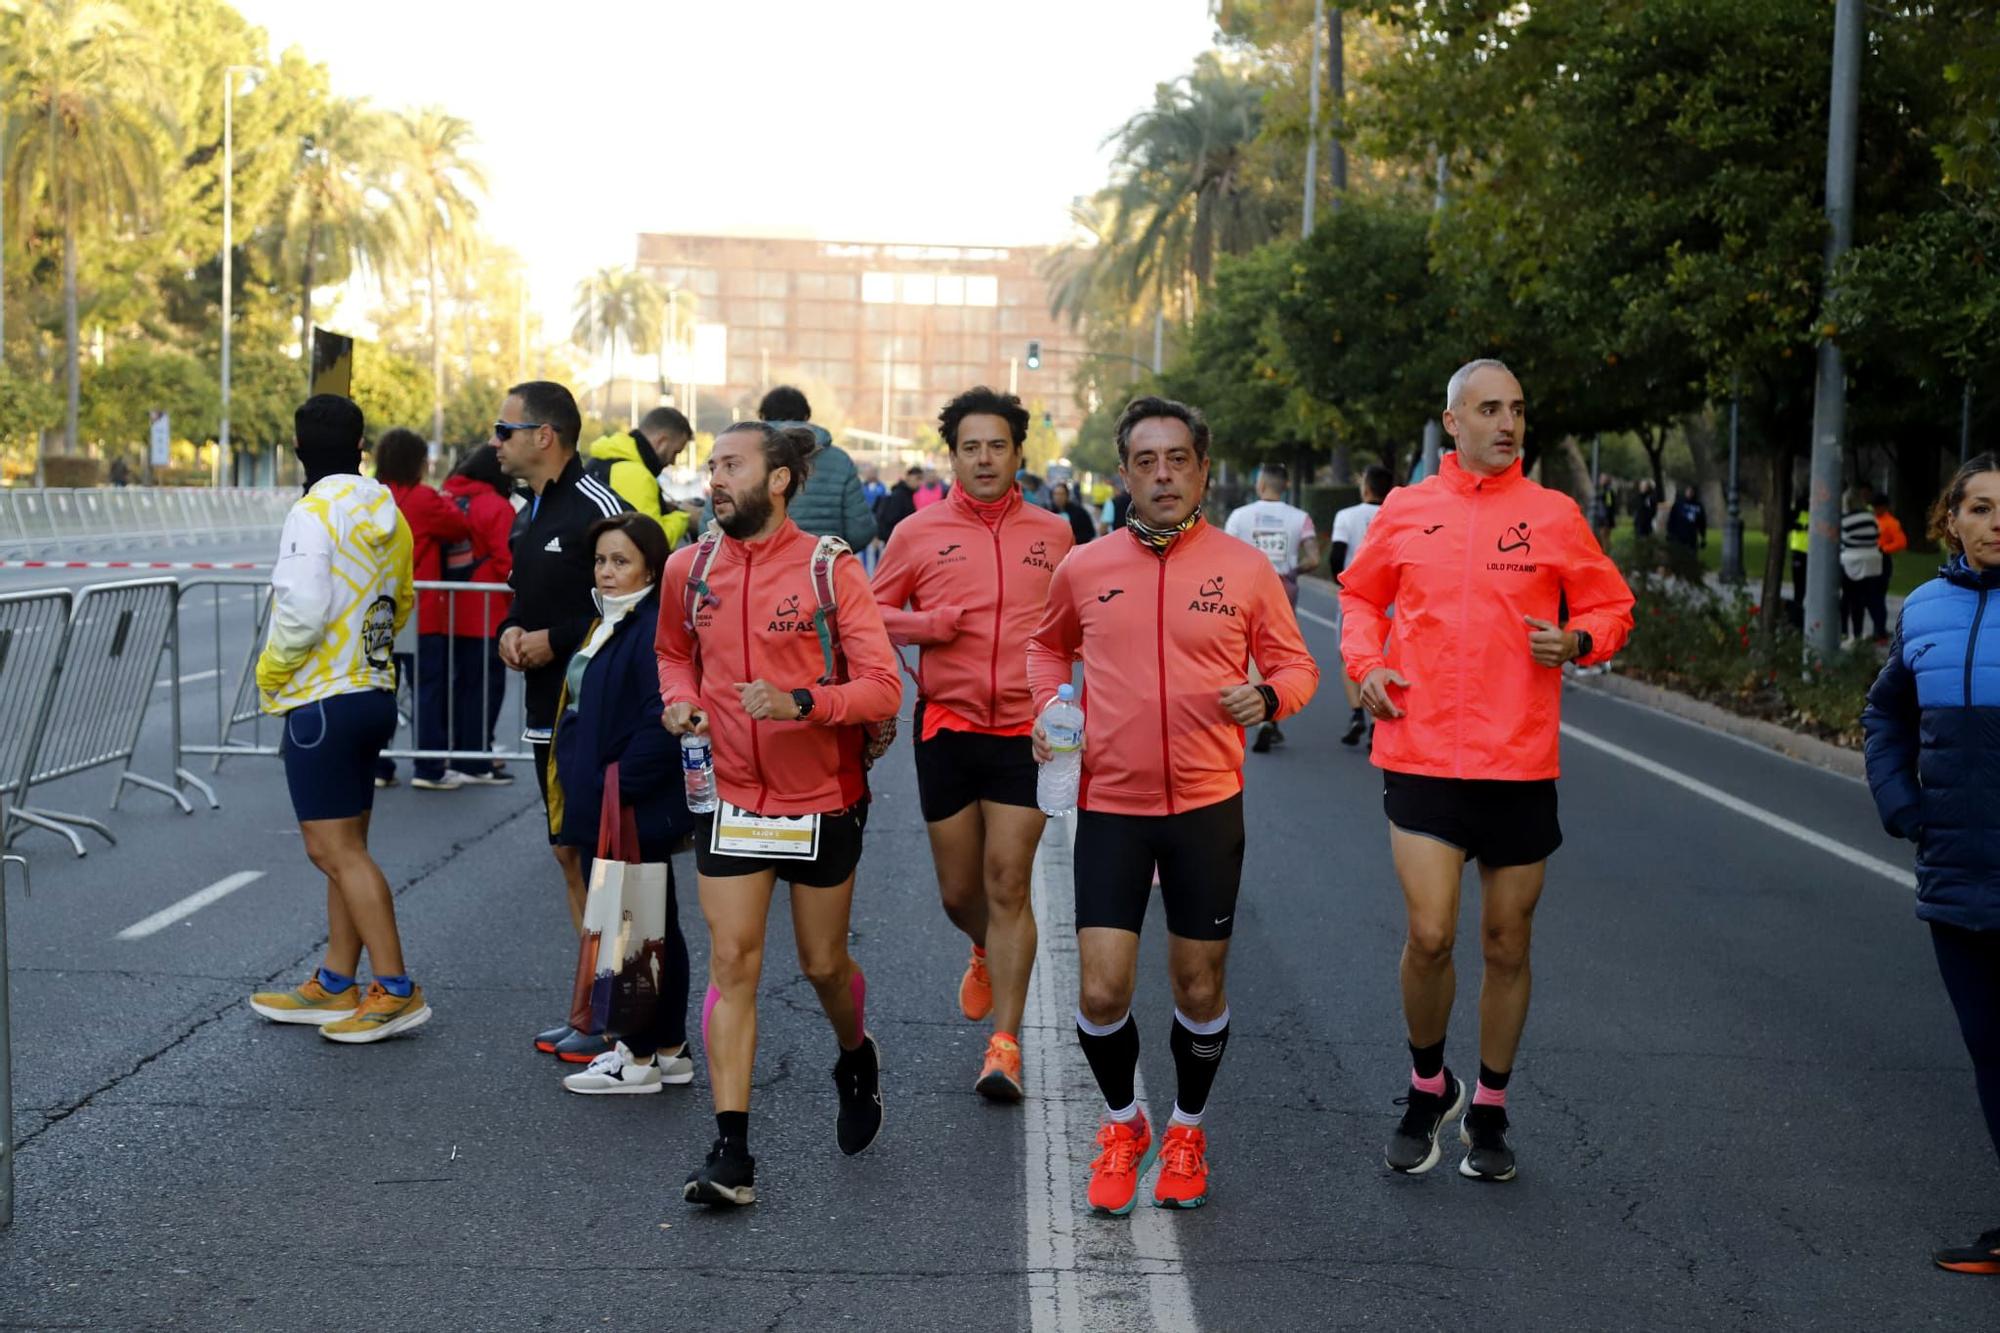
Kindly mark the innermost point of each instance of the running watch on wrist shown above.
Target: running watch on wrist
(1584, 644)
(804, 699)
(1270, 697)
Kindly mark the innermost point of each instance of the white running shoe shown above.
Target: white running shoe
(618, 1070)
(450, 780)
(486, 779)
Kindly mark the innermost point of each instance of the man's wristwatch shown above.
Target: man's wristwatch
(1584, 644)
(804, 699)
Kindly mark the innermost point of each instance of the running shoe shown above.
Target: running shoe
(1484, 1134)
(546, 1042)
(729, 1176)
(1000, 1078)
(1183, 1178)
(975, 989)
(1127, 1152)
(490, 778)
(385, 782)
(380, 1016)
(1357, 727)
(449, 780)
(619, 1071)
(858, 1077)
(1413, 1148)
(580, 1048)
(1982, 1256)
(311, 1003)
(1266, 734)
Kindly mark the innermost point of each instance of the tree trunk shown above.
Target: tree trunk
(1777, 525)
(72, 351)
(437, 346)
(1653, 439)
(306, 304)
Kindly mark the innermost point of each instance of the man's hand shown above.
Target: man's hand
(1549, 646)
(1038, 741)
(765, 702)
(532, 649)
(684, 720)
(1244, 704)
(510, 653)
(1375, 692)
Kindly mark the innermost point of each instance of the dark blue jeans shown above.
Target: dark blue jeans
(432, 723)
(478, 687)
(1970, 963)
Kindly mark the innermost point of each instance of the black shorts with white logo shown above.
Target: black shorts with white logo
(1495, 823)
(1199, 854)
(838, 854)
(956, 768)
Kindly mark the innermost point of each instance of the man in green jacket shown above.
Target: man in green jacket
(832, 502)
(631, 464)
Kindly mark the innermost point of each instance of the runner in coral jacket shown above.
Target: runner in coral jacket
(742, 659)
(974, 572)
(1465, 686)
(1167, 617)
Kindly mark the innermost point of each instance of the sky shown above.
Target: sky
(954, 122)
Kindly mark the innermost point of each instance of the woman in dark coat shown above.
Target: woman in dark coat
(611, 714)
(1932, 721)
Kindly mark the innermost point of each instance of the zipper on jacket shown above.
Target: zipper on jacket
(1160, 639)
(999, 610)
(1464, 620)
(1971, 642)
(756, 753)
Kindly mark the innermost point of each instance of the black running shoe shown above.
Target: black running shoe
(1982, 1256)
(1413, 1148)
(1265, 735)
(729, 1176)
(1357, 727)
(1484, 1134)
(858, 1077)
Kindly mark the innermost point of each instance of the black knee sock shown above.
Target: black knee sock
(1427, 1061)
(734, 1126)
(1113, 1056)
(1197, 1055)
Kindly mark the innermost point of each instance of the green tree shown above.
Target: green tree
(440, 185)
(614, 305)
(391, 389)
(136, 380)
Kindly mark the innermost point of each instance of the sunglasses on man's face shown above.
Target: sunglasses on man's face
(504, 430)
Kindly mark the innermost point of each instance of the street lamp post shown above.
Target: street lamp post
(229, 73)
(1732, 527)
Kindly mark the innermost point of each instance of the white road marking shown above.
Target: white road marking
(1901, 876)
(1317, 618)
(189, 905)
(1084, 1271)
(188, 679)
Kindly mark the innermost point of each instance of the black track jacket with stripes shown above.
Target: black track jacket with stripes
(553, 578)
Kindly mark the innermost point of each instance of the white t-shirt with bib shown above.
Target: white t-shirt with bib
(1275, 528)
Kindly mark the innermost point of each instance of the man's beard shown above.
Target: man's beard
(747, 516)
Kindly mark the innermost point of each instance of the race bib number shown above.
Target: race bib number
(737, 832)
(1277, 548)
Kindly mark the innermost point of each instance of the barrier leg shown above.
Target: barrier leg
(6, 1056)
(151, 784)
(54, 821)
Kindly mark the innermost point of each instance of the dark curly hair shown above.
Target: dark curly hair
(1150, 407)
(1954, 496)
(784, 446)
(983, 401)
(402, 457)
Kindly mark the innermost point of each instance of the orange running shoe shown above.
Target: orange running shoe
(975, 988)
(1000, 1079)
(1114, 1176)
(1183, 1181)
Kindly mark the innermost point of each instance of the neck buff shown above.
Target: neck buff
(990, 511)
(1159, 539)
(319, 464)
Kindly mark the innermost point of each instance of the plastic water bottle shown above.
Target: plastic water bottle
(698, 772)
(1055, 785)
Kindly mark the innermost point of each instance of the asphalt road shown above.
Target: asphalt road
(1741, 1102)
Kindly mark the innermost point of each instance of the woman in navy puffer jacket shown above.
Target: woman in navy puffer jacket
(1933, 728)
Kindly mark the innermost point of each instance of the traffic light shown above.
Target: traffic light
(1034, 353)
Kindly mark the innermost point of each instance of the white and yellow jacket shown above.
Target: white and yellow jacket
(342, 587)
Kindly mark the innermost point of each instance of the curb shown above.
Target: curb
(1792, 744)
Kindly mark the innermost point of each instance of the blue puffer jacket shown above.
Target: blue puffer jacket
(1933, 728)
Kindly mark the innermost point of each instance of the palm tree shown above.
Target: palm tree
(615, 303)
(440, 183)
(334, 219)
(86, 96)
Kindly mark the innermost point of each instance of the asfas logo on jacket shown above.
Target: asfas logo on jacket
(1514, 539)
(786, 618)
(1038, 556)
(1210, 600)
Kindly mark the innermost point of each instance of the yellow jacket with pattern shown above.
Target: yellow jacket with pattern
(341, 590)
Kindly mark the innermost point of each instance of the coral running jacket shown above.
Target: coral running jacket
(1160, 638)
(1464, 559)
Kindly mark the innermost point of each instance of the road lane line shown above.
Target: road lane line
(1107, 1274)
(189, 905)
(188, 679)
(1317, 618)
(1901, 876)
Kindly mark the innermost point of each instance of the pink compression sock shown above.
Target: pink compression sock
(1434, 1085)
(1485, 1096)
(708, 1007)
(857, 986)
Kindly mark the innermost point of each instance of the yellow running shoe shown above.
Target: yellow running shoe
(380, 1016)
(311, 1003)
(975, 988)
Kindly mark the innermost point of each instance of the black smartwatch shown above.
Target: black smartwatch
(1584, 644)
(804, 699)
(1270, 697)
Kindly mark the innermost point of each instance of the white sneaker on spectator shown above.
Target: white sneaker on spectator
(450, 780)
(617, 1070)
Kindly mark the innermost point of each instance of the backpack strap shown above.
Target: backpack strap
(827, 550)
(696, 594)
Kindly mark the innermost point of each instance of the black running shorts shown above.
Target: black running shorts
(1199, 854)
(839, 853)
(330, 747)
(956, 768)
(1494, 823)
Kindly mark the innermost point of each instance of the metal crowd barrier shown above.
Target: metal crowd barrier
(240, 729)
(7, 1055)
(45, 518)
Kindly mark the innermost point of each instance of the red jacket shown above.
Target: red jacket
(977, 577)
(757, 624)
(1464, 559)
(1160, 638)
(435, 523)
(491, 519)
